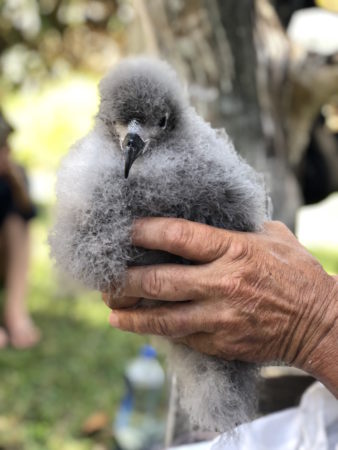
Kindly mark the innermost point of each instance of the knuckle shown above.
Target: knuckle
(127, 323)
(160, 326)
(279, 224)
(134, 323)
(218, 245)
(216, 323)
(230, 286)
(239, 249)
(177, 234)
(151, 283)
(281, 227)
(216, 286)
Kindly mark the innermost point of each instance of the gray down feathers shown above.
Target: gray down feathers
(189, 171)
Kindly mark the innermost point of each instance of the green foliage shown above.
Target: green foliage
(46, 393)
(47, 38)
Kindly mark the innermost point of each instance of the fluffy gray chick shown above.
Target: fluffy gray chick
(150, 154)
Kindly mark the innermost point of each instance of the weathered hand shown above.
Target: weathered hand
(256, 297)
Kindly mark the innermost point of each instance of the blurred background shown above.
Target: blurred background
(267, 71)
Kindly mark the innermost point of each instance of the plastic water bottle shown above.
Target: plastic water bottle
(140, 420)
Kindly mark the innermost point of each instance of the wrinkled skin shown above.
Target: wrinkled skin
(256, 297)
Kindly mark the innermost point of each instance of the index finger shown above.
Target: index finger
(190, 240)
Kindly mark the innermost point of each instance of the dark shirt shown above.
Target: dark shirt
(8, 205)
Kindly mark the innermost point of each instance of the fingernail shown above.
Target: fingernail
(113, 320)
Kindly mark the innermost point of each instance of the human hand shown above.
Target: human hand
(256, 297)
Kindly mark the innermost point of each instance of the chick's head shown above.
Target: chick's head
(142, 106)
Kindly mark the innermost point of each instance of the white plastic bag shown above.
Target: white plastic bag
(313, 425)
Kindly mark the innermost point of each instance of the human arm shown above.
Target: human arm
(258, 297)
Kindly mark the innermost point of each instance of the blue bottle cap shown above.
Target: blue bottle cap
(148, 351)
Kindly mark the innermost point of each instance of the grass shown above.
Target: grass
(47, 393)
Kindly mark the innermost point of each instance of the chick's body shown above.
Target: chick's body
(185, 169)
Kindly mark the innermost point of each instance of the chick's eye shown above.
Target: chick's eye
(163, 122)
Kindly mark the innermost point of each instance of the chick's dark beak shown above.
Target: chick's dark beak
(132, 146)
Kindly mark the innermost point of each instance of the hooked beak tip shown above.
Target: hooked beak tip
(132, 146)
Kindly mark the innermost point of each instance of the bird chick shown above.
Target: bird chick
(150, 154)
